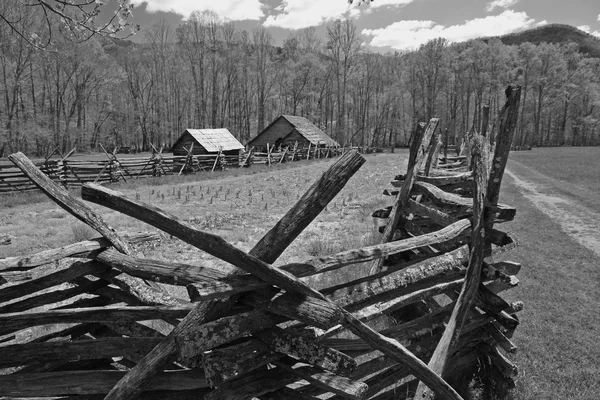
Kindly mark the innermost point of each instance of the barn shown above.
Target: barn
(289, 129)
(207, 141)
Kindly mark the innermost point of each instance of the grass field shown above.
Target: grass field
(554, 190)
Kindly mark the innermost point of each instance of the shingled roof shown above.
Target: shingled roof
(310, 131)
(214, 139)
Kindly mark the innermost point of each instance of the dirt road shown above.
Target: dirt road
(569, 205)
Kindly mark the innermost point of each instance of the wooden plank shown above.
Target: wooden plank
(90, 382)
(467, 298)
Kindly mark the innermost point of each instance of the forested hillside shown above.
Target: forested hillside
(208, 73)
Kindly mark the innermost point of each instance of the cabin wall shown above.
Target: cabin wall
(278, 130)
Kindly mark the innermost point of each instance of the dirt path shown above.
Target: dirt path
(559, 201)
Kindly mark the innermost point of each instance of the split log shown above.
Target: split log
(500, 339)
(76, 249)
(157, 270)
(448, 265)
(225, 287)
(345, 387)
(318, 312)
(22, 354)
(90, 382)
(226, 363)
(56, 278)
(252, 385)
(54, 296)
(327, 263)
(15, 321)
(307, 351)
(403, 196)
(463, 205)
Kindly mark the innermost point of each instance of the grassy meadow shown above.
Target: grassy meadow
(557, 337)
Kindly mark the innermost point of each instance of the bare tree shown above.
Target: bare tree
(343, 45)
(76, 20)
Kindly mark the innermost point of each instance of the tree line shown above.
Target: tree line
(206, 73)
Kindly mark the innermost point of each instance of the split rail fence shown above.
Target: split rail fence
(90, 320)
(69, 172)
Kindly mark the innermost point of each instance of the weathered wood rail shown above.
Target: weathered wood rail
(95, 320)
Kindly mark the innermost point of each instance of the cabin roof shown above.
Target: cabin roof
(305, 128)
(310, 131)
(214, 139)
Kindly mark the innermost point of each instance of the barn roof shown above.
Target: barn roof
(310, 131)
(214, 139)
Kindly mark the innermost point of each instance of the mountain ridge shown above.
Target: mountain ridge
(557, 34)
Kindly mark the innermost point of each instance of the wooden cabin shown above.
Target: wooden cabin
(289, 129)
(207, 141)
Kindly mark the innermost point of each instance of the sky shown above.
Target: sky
(384, 25)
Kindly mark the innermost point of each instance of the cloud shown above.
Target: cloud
(500, 4)
(299, 14)
(598, 17)
(390, 3)
(407, 35)
(234, 10)
(542, 23)
(587, 29)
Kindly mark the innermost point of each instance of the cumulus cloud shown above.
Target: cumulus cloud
(598, 17)
(299, 14)
(407, 35)
(587, 29)
(234, 10)
(542, 23)
(500, 4)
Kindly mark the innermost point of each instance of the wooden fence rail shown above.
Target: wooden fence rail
(72, 173)
(99, 324)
